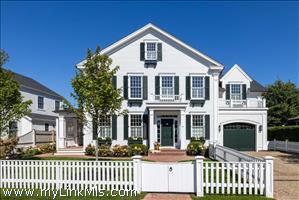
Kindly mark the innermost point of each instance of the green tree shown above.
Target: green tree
(12, 106)
(94, 91)
(283, 102)
(3, 57)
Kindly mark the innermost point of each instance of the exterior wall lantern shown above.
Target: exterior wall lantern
(260, 128)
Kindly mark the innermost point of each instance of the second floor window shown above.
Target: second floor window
(197, 90)
(57, 105)
(40, 102)
(235, 92)
(198, 130)
(105, 127)
(151, 51)
(135, 87)
(167, 87)
(46, 127)
(136, 126)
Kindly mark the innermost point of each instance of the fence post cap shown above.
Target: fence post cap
(199, 157)
(268, 158)
(136, 157)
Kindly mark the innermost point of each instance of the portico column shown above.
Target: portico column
(152, 134)
(183, 130)
(62, 132)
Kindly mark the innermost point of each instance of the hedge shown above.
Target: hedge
(282, 133)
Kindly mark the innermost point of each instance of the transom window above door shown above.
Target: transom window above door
(135, 88)
(197, 87)
(167, 86)
(235, 92)
(151, 51)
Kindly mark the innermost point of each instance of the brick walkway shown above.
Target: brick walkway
(286, 174)
(169, 155)
(166, 196)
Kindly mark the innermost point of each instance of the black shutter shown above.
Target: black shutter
(227, 91)
(176, 85)
(114, 127)
(188, 126)
(142, 51)
(114, 81)
(125, 87)
(145, 126)
(187, 87)
(145, 87)
(157, 85)
(244, 92)
(207, 127)
(207, 88)
(159, 51)
(126, 126)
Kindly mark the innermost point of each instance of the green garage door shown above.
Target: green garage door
(239, 136)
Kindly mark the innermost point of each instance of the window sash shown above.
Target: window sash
(167, 87)
(235, 92)
(197, 126)
(136, 87)
(197, 87)
(151, 51)
(105, 127)
(136, 126)
(57, 105)
(40, 102)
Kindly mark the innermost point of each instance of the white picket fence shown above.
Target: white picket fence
(286, 146)
(222, 153)
(208, 177)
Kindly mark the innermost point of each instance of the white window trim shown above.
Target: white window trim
(129, 125)
(204, 86)
(145, 50)
(230, 91)
(43, 108)
(110, 132)
(129, 86)
(203, 125)
(167, 75)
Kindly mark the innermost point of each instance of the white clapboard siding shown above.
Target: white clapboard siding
(234, 178)
(47, 174)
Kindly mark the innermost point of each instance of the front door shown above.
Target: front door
(167, 132)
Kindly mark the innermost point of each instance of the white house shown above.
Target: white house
(42, 119)
(173, 92)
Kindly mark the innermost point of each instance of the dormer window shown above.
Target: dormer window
(151, 51)
(236, 93)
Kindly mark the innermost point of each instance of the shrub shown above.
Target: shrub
(29, 152)
(120, 151)
(47, 148)
(138, 149)
(138, 140)
(105, 141)
(290, 133)
(105, 151)
(196, 148)
(7, 146)
(90, 150)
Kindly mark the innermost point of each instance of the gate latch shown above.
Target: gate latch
(170, 169)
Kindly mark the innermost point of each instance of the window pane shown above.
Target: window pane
(236, 91)
(197, 87)
(197, 126)
(136, 125)
(40, 102)
(135, 87)
(167, 89)
(105, 126)
(151, 51)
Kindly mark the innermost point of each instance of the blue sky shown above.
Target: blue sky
(46, 39)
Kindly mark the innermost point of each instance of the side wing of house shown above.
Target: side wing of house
(242, 112)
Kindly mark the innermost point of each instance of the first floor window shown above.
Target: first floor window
(13, 129)
(46, 127)
(198, 126)
(136, 126)
(197, 90)
(151, 51)
(135, 87)
(105, 127)
(235, 92)
(40, 102)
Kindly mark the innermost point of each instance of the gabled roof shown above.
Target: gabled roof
(236, 66)
(160, 31)
(31, 84)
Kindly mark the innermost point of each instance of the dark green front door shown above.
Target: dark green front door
(239, 136)
(167, 132)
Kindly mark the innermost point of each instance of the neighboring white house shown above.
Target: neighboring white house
(174, 92)
(42, 120)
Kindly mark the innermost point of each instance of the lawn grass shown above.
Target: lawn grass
(107, 196)
(230, 197)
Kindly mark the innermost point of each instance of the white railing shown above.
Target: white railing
(47, 174)
(166, 98)
(36, 137)
(248, 103)
(286, 146)
(222, 153)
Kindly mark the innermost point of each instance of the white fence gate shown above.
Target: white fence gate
(168, 177)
